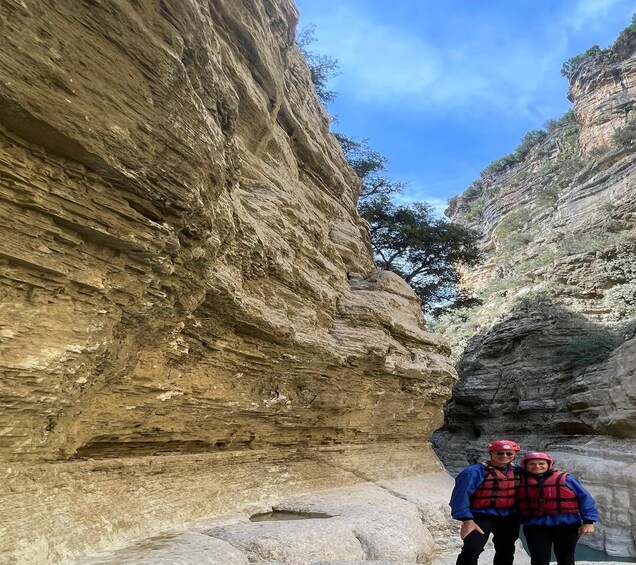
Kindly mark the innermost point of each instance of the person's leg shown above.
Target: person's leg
(565, 538)
(474, 542)
(505, 533)
(539, 540)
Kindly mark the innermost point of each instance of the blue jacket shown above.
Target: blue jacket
(466, 483)
(587, 509)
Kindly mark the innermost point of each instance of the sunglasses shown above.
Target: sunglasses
(506, 453)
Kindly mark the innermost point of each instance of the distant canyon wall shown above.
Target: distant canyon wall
(549, 359)
(191, 320)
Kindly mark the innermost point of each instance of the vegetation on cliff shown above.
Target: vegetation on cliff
(618, 51)
(409, 240)
(547, 231)
(321, 67)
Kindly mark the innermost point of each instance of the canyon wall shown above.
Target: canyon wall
(549, 358)
(191, 320)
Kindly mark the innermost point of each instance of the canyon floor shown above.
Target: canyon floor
(397, 522)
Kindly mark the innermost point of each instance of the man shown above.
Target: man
(484, 500)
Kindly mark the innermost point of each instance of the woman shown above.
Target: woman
(554, 509)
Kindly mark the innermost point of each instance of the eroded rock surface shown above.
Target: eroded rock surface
(191, 319)
(397, 522)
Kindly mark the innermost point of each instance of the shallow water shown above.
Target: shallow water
(276, 516)
(584, 553)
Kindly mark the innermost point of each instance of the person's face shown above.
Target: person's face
(537, 466)
(503, 457)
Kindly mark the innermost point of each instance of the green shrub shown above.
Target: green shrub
(593, 53)
(621, 267)
(626, 136)
(475, 189)
(615, 52)
(536, 262)
(571, 134)
(497, 286)
(588, 349)
(513, 243)
(475, 209)
(622, 299)
(548, 195)
(513, 222)
(627, 330)
(567, 119)
(500, 165)
(540, 300)
(530, 140)
(623, 36)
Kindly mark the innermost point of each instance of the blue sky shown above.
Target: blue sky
(444, 88)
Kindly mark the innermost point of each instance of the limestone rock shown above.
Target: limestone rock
(188, 548)
(191, 321)
(548, 360)
(430, 493)
(396, 522)
(386, 527)
(305, 540)
(603, 98)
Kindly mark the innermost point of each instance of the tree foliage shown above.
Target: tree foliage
(322, 67)
(626, 136)
(621, 49)
(567, 120)
(573, 63)
(424, 250)
(370, 167)
(528, 142)
(589, 349)
(408, 240)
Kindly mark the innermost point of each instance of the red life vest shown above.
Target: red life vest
(550, 497)
(497, 490)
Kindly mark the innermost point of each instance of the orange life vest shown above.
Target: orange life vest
(497, 490)
(552, 496)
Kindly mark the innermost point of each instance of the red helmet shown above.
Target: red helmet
(503, 444)
(537, 455)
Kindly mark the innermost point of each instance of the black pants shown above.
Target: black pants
(505, 530)
(542, 538)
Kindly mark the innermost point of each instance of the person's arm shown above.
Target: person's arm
(587, 507)
(466, 484)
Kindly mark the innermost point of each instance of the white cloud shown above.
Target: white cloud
(386, 66)
(378, 62)
(589, 11)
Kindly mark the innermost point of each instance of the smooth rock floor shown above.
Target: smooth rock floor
(399, 522)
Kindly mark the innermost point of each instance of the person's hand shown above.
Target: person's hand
(585, 529)
(470, 526)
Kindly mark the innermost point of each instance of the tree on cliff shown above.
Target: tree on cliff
(322, 67)
(409, 240)
(424, 250)
(369, 165)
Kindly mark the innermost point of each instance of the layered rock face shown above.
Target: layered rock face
(548, 359)
(191, 319)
